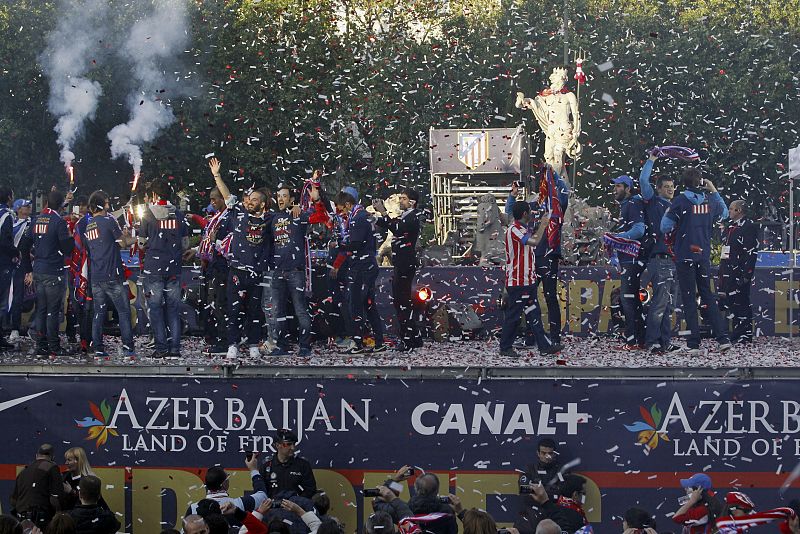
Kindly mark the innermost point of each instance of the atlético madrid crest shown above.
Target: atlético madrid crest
(473, 148)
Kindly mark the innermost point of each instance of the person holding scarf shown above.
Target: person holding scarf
(22, 273)
(360, 245)
(554, 196)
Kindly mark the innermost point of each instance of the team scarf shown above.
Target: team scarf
(566, 502)
(675, 152)
(734, 525)
(616, 245)
(411, 524)
(548, 196)
(79, 264)
(206, 247)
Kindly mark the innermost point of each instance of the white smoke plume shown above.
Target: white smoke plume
(71, 49)
(154, 41)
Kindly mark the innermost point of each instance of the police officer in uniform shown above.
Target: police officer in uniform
(286, 473)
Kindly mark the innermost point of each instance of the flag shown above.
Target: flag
(580, 76)
(548, 197)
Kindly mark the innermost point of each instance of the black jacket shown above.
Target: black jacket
(429, 504)
(37, 486)
(294, 476)
(405, 231)
(94, 519)
(568, 519)
(547, 474)
(741, 236)
(398, 509)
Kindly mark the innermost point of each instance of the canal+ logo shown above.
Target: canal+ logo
(647, 430)
(96, 424)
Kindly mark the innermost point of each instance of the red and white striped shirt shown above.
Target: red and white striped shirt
(520, 261)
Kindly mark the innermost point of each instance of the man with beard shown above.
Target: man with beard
(242, 238)
(630, 225)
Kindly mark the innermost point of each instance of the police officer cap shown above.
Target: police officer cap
(284, 434)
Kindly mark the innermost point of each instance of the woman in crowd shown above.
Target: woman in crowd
(77, 467)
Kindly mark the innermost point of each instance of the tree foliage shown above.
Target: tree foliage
(278, 87)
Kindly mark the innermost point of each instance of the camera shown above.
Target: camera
(444, 499)
(249, 455)
(371, 492)
(525, 489)
(410, 472)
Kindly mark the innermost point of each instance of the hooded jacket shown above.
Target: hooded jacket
(691, 216)
(94, 519)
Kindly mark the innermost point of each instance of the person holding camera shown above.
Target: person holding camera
(39, 489)
(700, 507)
(217, 484)
(545, 471)
(427, 501)
(567, 509)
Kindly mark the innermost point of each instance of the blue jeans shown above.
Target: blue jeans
(522, 299)
(268, 308)
(363, 307)
(286, 284)
(244, 304)
(163, 294)
(117, 293)
(694, 277)
(50, 294)
(658, 328)
(630, 284)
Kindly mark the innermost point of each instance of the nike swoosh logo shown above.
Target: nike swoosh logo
(13, 402)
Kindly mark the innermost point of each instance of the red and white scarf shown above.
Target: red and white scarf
(734, 525)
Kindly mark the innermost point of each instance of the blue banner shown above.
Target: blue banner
(151, 439)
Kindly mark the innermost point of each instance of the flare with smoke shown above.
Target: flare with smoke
(66, 61)
(157, 38)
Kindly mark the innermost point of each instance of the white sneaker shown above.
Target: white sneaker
(268, 346)
(254, 352)
(14, 337)
(233, 352)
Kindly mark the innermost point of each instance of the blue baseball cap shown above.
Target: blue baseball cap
(21, 202)
(624, 179)
(350, 190)
(697, 480)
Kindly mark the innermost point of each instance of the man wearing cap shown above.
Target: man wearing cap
(286, 473)
(22, 273)
(630, 225)
(340, 272)
(38, 489)
(691, 217)
(699, 512)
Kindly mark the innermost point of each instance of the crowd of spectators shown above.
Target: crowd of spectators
(285, 499)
